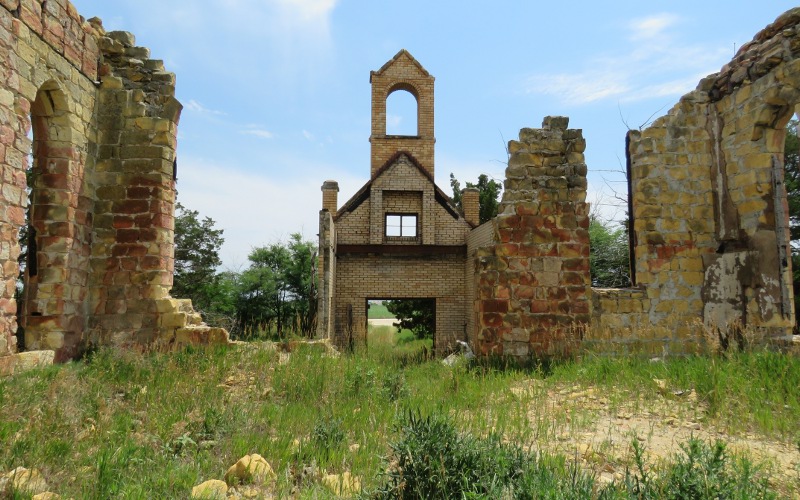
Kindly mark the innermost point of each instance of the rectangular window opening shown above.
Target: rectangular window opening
(401, 225)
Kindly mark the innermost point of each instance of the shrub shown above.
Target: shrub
(432, 460)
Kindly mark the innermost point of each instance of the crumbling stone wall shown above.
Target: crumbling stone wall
(710, 219)
(533, 283)
(104, 120)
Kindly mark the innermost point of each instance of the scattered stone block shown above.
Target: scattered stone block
(210, 490)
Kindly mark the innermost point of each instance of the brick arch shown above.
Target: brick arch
(402, 72)
(403, 85)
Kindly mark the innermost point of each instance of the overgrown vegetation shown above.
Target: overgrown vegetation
(609, 260)
(126, 425)
(416, 315)
(274, 297)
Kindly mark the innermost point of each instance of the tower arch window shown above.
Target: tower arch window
(402, 112)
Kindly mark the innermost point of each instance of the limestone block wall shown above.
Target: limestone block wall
(49, 67)
(533, 295)
(132, 260)
(480, 237)
(710, 216)
(103, 118)
(621, 325)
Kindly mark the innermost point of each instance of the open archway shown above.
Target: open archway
(402, 113)
(51, 290)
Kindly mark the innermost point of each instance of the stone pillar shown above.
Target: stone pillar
(470, 204)
(533, 285)
(330, 193)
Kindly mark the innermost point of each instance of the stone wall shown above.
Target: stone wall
(710, 216)
(50, 55)
(103, 117)
(479, 238)
(533, 283)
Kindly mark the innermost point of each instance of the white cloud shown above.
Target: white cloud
(655, 65)
(579, 88)
(258, 208)
(651, 26)
(309, 9)
(308, 135)
(195, 106)
(264, 134)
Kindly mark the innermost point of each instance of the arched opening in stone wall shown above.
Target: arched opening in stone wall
(402, 112)
(48, 228)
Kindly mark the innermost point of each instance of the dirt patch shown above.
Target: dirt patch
(597, 428)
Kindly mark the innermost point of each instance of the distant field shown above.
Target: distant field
(379, 311)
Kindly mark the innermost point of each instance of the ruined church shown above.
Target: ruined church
(708, 218)
(88, 127)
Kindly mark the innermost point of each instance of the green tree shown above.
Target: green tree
(262, 297)
(417, 315)
(277, 293)
(301, 283)
(488, 195)
(791, 165)
(609, 259)
(197, 245)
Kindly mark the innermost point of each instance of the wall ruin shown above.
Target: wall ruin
(103, 119)
(709, 218)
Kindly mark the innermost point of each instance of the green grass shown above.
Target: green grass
(379, 311)
(121, 424)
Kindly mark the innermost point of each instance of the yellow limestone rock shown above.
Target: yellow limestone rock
(210, 490)
(28, 481)
(342, 485)
(250, 468)
(47, 495)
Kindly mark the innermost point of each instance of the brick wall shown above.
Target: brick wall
(402, 73)
(384, 277)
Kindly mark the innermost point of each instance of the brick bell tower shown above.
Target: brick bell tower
(402, 72)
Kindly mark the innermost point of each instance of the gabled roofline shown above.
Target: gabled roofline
(362, 194)
(394, 59)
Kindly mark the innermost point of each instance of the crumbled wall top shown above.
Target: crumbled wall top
(772, 45)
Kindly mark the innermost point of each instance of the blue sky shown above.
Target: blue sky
(276, 93)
